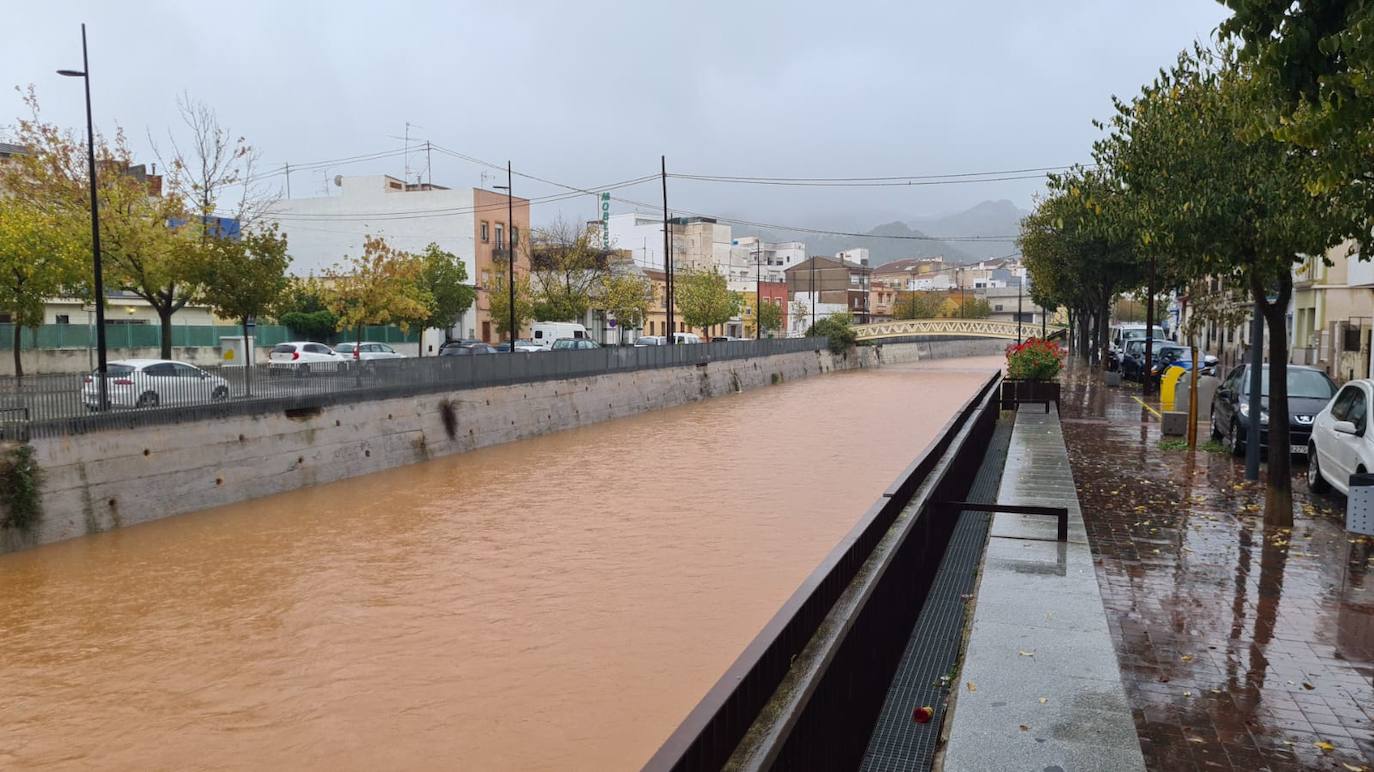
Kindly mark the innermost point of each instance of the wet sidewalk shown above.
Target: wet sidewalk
(1240, 647)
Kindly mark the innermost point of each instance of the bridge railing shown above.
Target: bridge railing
(822, 664)
(981, 328)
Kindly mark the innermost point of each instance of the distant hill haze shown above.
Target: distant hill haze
(920, 237)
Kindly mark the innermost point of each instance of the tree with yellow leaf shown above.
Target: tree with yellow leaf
(382, 286)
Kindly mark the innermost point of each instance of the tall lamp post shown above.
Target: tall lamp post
(84, 74)
(510, 247)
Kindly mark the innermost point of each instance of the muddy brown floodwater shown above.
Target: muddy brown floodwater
(555, 603)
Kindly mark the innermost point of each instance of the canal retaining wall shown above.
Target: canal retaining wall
(109, 479)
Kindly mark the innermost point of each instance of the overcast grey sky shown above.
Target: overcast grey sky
(592, 92)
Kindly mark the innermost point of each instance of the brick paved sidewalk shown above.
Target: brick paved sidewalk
(1240, 647)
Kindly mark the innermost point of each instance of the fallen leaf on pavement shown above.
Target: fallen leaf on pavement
(1025, 728)
(972, 686)
(1324, 746)
(1187, 657)
(1308, 686)
(1196, 740)
(1043, 700)
(1025, 653)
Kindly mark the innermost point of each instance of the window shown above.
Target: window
(1358, 408)
(64, 319)
(997, 307)
(316, 348)
(186, 371)
(1340, 409)
(161, 370)
(485, 226)
(486, 278)
(651, 328)
(514, 235)
(500, 234)
(284, 348)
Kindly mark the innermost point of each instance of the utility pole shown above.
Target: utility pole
(758, 290)
(812, 282)
(1020, 282)
(667, 252)
(510, 238)
(429, 165)
(288, 180)
(510, 247)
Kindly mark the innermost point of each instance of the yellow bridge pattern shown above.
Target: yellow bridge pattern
(961, 328)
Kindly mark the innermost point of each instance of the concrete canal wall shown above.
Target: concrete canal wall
(109, 479)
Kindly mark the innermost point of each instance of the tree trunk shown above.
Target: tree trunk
(164, 315)
(18, 360)
(1103, 317)
(247, 361)
(1278, 488)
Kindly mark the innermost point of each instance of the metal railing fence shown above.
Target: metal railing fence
(57, 405)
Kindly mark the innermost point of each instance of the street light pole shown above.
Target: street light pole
(510, 247)
(101, 354)
(510, 237)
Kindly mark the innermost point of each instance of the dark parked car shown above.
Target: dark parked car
(1309, 389)
(458, 348)
(1133, 358)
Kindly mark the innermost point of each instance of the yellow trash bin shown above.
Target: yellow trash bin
(1168, 385)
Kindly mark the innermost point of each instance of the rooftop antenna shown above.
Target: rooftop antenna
(406, 139)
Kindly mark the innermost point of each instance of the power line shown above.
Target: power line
(733, 177)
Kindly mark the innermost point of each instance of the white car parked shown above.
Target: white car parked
(304, 358)
(1341, 443)
(153, 382)
(368, 351)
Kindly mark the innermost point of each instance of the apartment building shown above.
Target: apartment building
(472, 223)
(833, 285)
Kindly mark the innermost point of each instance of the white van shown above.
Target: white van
(683, 338)
(545, 333)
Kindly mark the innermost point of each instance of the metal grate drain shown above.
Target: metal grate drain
(898, 742)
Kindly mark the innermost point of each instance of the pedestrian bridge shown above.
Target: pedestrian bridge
(962, 328)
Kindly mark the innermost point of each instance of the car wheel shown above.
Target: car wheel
(1233, 440)
(220, 393)
(1315, 482)
(148, 399)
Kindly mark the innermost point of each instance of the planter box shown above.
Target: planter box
(1038, 392)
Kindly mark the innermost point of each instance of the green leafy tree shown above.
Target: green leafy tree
(303, 309)
(704, 298)
(245, 277)
(382, 286)
(498, 300)
(1215, 200)
(445, 278)
(627, 297)
(837, 329)
(1312, 65)
(569, 266)
(918, 305)
(40, 257)
(769, 318)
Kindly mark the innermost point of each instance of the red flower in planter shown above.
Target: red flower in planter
(1036, 359)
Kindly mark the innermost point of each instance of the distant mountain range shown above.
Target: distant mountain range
(922, 236)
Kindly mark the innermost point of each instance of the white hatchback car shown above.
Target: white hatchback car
(153, 382)
(368, 351)
(1341, 443)
(303, 358)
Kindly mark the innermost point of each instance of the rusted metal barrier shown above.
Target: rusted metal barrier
(805, 692)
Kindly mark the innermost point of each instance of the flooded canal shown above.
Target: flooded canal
(555, 603)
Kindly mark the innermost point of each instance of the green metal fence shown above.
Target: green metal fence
(117, 336)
